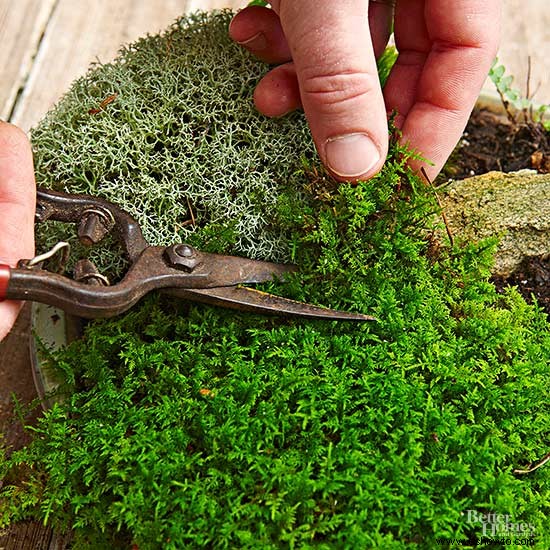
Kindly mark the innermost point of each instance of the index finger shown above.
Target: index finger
(445, 53)
(335, 65)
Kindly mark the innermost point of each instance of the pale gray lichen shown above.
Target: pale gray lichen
(181, 135)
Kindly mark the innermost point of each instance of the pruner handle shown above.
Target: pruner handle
(5, 274)
(94, 217)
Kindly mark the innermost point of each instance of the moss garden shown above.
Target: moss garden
(188, 426)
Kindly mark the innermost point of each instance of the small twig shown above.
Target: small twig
(535, 467)
(190, 211)
(527, 113)
(506, 105)
(536, 90)
(103, 104)
(445, 221)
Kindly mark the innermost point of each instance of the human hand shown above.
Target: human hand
(17, 203)
(326, 54)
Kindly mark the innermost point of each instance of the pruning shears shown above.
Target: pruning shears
(179, 269)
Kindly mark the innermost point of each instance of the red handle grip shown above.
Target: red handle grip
(4, 280)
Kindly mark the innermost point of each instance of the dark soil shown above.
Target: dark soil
(492, 142)
(532, 280)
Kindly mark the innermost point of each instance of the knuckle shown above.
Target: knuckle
(338, 89)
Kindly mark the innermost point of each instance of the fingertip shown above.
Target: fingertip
(17, 203)
(259, 30)
(17, 195)
(354, 157)
(425, 168)
(380, 23)
(12, 139)
(16, 164)
(339, 85)
(245, 23)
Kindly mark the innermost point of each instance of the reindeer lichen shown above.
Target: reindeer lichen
(170, 131)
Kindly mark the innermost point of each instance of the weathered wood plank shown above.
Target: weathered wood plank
(82, 32)
(21, 26)
(526, 33)
(32, 536)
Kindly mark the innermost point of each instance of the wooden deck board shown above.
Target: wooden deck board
(32, 536)
(21, 26)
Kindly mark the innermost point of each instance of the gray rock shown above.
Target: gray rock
(515, 207)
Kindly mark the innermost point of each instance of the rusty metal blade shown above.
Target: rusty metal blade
(234, 270)
(256, 301)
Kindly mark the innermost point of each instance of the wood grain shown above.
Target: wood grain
(32, 536)
(46, 44)
(21, 26)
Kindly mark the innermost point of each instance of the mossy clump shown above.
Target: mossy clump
(189, 426)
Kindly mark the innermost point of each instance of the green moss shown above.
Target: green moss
(189, 426)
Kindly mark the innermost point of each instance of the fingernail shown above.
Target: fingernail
(351, 155)
(258, 42)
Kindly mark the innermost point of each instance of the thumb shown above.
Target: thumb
(340, 91)
(17, 202)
